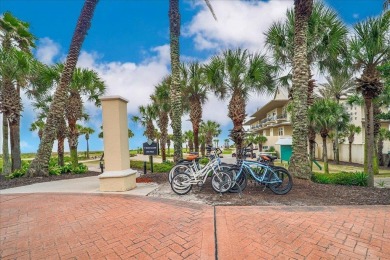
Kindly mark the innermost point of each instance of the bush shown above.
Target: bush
(80, 169)
(157, 167)
(19, 173)
(204, 161)
(341, 178)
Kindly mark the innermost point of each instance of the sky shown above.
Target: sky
(128, 45)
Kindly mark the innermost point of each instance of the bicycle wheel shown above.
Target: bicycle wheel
(221, 182)
(284, 184)
(181, 183)
(180, 168)
(240, 183)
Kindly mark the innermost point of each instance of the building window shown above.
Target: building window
(281, 131)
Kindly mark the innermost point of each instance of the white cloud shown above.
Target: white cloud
(24, 145)
(47, 50)
(133, 81)
(240, 24)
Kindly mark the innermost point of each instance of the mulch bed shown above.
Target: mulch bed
(303, 192)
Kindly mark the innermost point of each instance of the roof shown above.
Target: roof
(262, 112)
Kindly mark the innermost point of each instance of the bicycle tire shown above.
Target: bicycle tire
(221, 182)
(285, 186)
(178, 185)
(240, 183)
(179, 168)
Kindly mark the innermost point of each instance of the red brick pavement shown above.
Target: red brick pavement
(303, 232)
(53, 226)
(64, 226)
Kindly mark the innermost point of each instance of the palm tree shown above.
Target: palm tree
(38, 126)
(211, 129)
(309, 37)
(369, 49)
(352, 130)
(175, 92)
(260, 140)
(195, 93)
(216, 141)
(86, 83)
(86, 131)
(148, 114)
(39, 166)
(338, 85)
(189, 137)
(13, 33)
(384, 134)
(325, 115)
(161, 99)
(236, 74)
(226, 143)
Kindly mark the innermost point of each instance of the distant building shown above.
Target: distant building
(274, 122)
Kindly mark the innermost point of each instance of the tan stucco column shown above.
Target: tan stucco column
(117, 175)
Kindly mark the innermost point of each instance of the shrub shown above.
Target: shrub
(204, 161)
(19, 173)
(80, 169)
(157, 167)
(341, 178)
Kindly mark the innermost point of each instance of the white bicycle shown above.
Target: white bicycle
(184, 176)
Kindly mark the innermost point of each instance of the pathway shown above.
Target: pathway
(87, 226)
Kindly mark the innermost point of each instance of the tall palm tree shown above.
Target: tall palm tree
(38, 126)
(39, 166)
(236, 74)
(324, 35)
(86, 131)
(352, 130)
(325, 115)
(14, 33)
(195, 91)
(148, 115)
(169, 139)
(369, 49)
(85, 83)
(161, 99)
(175, 92)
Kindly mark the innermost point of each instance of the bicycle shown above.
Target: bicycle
(276, 178)
(182, 182)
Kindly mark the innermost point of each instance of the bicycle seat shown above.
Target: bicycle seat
(268, 157)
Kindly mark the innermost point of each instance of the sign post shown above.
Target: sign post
(150, 148)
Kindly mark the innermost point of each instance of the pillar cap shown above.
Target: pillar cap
(116, 97)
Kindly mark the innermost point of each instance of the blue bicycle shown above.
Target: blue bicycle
(276, 178)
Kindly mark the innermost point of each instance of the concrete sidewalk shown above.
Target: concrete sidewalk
(78, 185)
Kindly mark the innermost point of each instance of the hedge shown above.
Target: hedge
(341, 178)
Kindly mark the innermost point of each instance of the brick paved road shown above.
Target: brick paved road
(64, 226)
(304, 232)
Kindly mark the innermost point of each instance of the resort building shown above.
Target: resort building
(274, 122)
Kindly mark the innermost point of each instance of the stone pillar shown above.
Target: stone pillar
(117, 175)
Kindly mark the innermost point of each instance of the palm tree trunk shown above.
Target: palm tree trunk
(175, 92)
(380, 151)
(73, 143)
(60, 151)
(163, 125)
(203, 149)
(299, 164)
(15, 145)
(236, 113)
(336, 140)
(39, 166)
(369, 140)
(196, 137)
(87, 148)
(6, 159)
(350, 152)
(325, 155)
(196, 117)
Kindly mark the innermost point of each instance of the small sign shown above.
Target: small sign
(150, 148)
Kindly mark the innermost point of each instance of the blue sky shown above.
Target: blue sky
(128, 45)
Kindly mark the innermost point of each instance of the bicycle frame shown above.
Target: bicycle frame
(200, 175)
(261, 179)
